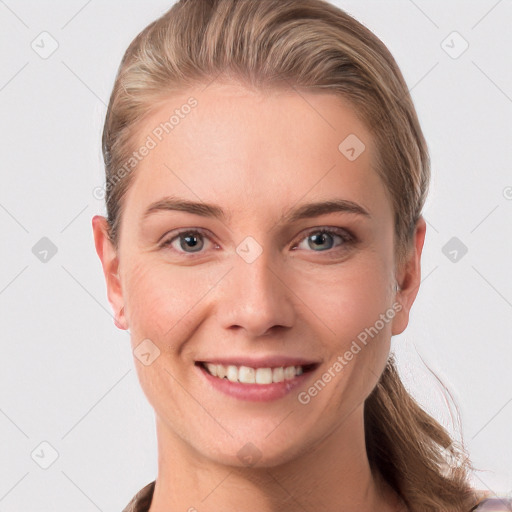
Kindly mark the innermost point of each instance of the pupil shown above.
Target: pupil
(319, 239)
(191, 240)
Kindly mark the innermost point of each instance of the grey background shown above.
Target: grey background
(67, 373)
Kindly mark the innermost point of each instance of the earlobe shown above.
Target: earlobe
(110, 264)
(409, 279)
(120, 320)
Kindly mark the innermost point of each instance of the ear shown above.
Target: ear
(409, 278)
(110, 263)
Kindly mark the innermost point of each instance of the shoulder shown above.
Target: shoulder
(489, 502)
(142, 500)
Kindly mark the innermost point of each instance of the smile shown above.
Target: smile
(248, 375)
(255, 384)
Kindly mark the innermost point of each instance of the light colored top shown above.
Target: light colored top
(494, 503)
(488, 502)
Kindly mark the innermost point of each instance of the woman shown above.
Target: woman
(265, 177)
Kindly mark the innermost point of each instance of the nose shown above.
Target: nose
(256, 298)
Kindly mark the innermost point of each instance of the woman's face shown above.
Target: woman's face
(256, 283)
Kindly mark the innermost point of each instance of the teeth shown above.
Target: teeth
(212, 368)
(263, 376)
(289, 372)
(232, 373)
(247, 375)
(221, 371)
(278, 375)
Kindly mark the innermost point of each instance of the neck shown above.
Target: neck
(332, 475)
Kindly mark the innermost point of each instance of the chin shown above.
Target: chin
(258, 451)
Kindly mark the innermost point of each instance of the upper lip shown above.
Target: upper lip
(261, 362)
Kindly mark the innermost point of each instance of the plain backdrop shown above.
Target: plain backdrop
(76, 431)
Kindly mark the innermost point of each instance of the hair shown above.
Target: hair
(313, 46)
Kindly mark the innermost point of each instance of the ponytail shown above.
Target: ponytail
(413, 452)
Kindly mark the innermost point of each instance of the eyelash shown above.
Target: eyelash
(347, 238)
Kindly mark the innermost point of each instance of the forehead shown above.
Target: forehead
(250, 146)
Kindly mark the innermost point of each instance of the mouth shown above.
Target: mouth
(256, 375)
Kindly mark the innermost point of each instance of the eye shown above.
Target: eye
(324, 239)
(192, 241)
(189, 241)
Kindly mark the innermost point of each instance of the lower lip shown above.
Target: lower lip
(255, 392)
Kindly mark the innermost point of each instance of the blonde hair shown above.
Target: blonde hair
(314, 46)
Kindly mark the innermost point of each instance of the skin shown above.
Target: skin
(257, 154)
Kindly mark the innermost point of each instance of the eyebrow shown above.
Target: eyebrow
(305, 211)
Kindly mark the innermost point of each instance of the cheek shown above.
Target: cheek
(161, 300)
(350, 298)
(357, 308)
